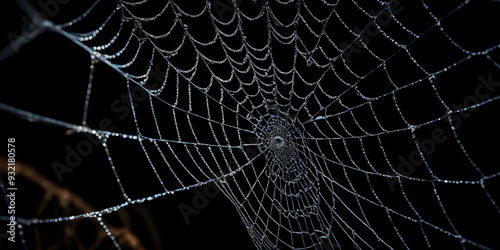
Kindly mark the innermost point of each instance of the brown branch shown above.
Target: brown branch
(70, 204)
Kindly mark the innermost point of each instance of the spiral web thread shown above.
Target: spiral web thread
(298, 111)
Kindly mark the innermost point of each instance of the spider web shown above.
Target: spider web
(326, 124)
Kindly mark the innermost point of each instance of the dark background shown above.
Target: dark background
(49, 75)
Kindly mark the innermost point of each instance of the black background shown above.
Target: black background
(49, 75)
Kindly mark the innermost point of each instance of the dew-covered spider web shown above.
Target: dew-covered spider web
(327, 124)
